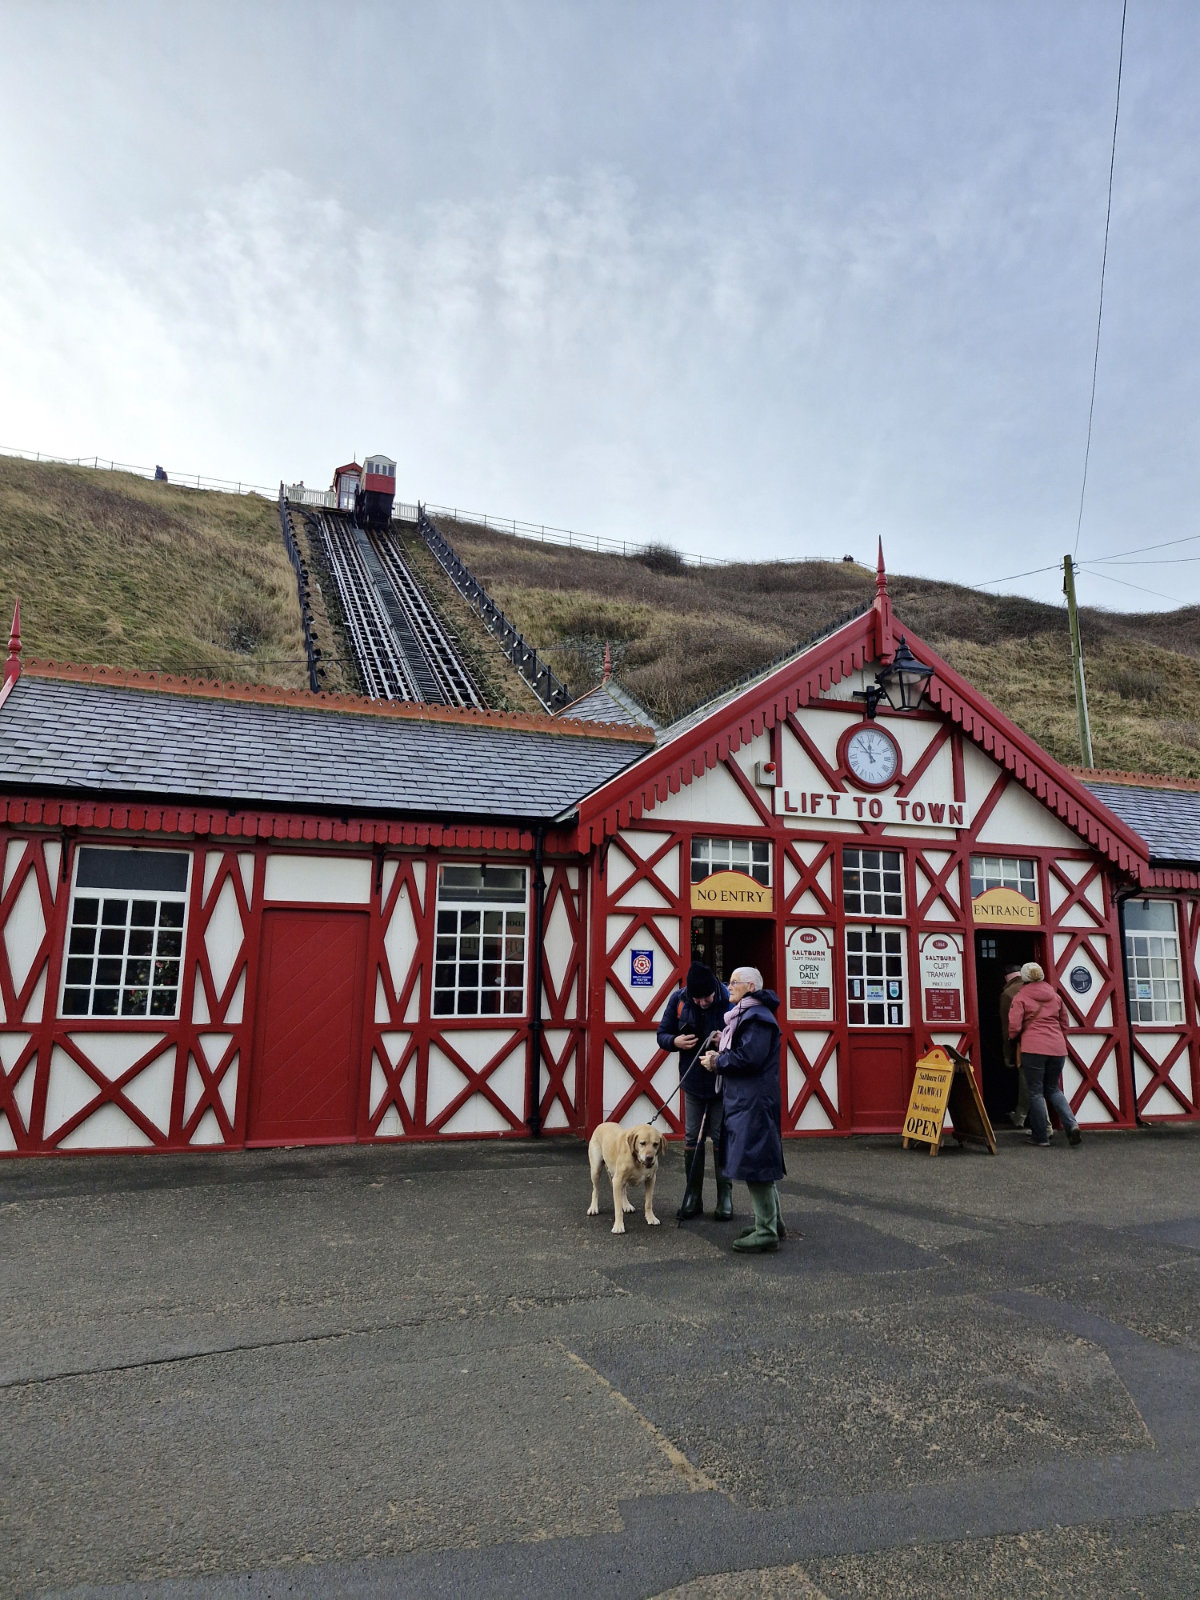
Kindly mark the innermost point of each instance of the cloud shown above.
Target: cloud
(794, 376)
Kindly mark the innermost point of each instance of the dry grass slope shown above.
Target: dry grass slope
(113, 569)
(681, 634)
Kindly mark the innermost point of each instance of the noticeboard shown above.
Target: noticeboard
(944, 1082)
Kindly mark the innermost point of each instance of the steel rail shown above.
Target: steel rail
(386, 673)
(438, 645)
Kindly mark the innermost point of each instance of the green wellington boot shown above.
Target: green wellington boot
(765, 1233)
(724, 1211)
(779, 1226)
(693, 1195)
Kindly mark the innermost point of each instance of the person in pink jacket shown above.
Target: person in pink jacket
(1037, 1019)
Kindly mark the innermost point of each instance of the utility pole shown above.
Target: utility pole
(1085, 727)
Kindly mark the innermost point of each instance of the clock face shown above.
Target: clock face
(872, 756)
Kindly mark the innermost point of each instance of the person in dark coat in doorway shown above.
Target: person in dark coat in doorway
(1012, 984)
(751, 1142)
(692, 1013)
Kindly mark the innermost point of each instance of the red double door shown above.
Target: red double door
(304, 1078)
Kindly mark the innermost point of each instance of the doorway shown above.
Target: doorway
(725, 943)
(995, 950)
(306, 1067)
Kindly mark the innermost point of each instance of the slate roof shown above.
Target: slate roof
(103, 739)
(1167, 819)
(608, 702)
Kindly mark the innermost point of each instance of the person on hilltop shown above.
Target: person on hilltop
(1012, 1055)
(1038, 1019)
(692, 1014)
(751, 1142)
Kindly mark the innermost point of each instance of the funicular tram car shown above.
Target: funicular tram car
(478, 917)
(373, 500)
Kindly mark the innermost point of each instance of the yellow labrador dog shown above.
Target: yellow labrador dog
(631, 1156)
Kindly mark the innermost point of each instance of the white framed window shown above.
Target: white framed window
(751, 856)
(1153, 971)
(872, 883)
(480, 955)
(1003, 872)
(126, 932)
(876, 978)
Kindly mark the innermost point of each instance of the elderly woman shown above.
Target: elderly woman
(1037, 1018)
(751, 1144)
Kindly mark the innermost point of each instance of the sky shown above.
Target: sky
(755, 279)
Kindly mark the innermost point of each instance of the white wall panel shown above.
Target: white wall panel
(24, 930)
(308, 880)
(1021, 820)
(108, 1128)
(151, 1090)
(714, 799)
(223, 937)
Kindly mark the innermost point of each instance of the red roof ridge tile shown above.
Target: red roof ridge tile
(1141, 780)
(272, 694)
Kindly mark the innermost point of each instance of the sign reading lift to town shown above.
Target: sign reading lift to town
(802, 806)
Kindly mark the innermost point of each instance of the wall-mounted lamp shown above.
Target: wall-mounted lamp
(903, 683)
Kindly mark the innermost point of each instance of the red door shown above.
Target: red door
(881, 1074)
(304, 1078)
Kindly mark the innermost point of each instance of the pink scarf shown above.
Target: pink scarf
(731, 1017)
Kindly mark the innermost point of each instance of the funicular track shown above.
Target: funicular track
(439, 646)
(402, 648)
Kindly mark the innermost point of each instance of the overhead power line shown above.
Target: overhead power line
(1126, 583)
(1167, 544)
(1013, 576)
(1112, 161)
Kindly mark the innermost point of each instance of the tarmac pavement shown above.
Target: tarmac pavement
(424, 1371)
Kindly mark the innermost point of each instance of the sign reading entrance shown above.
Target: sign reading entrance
(1005, 908)
(723, 892)
(809, 960)
(944, 1082)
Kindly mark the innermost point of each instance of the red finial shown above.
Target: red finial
(12, 667)
(885, 644)
(607, 660)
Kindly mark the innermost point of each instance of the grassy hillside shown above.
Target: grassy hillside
(679, 634)
(111, 568)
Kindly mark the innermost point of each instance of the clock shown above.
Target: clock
(870, 756)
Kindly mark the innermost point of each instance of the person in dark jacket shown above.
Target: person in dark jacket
(751, 1143)
(1012, 984)
(1038, 1018)
(692, 1013)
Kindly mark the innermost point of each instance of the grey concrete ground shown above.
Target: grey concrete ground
(425, 1372)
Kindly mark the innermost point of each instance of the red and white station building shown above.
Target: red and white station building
(237, 917)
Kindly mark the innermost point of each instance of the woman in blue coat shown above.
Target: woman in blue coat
(751, 1143)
